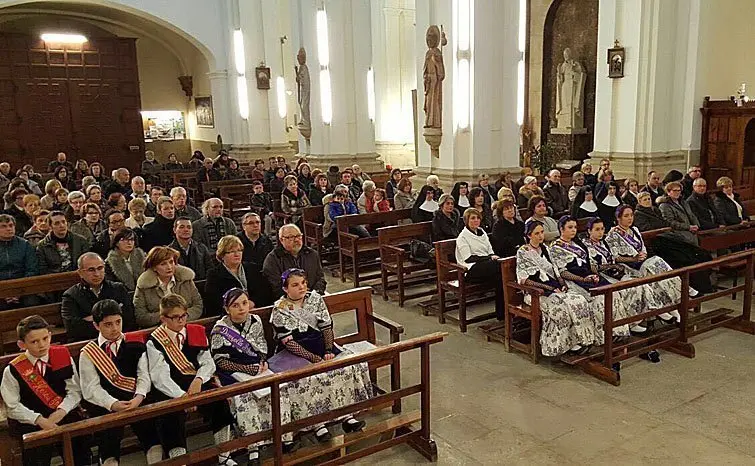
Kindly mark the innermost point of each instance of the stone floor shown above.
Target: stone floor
(492, 407)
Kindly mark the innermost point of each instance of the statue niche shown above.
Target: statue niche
(570, 87)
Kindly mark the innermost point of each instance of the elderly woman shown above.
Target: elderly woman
(475, 253)
(48, 200)
(234, 172)
(304, 332)
(76, 200)
(479, 198)
(366, 201)
(91, 225)
(578, 181)
(446, 221)
(64, 178)
(608, 202)
(508, 231)
(527, 191)
(137, 219)
(584, 205)
(162, 275)
(391, 186)
(568, 319)
(94, 194)
(125, 261)
(728, 203)
(434, 182)
(293, 199)
(232, 272)
(677, 212)
(538, 208)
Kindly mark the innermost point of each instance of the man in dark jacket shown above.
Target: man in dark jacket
(555, 193)
(256, 245)
(60, 160)
(208, 173)
(17, 257)
(160, 231)
(702, 206)
(180, 203)
(653, 186)
(76, 308)
(194, 254)
(116, 222)
(60, 250)
(16, 210)
(693, 173)
(121, 183)
(292, 254)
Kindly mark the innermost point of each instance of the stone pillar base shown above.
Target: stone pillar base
(637, 165)
(396, 154)
(569, 145)
(368, 162)
(251, 152)
(449, 177)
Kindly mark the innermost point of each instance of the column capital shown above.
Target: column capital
(218, 74)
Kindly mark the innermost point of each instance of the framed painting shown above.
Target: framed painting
(203, 112)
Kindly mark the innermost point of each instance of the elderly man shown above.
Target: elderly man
(119, 183)
(178, 196)
(359, 175)
(151, 167)
(76, 308)
(702, 205)
(139, 189)
(160, 231)
(292, 254)
(256, 245)
(116, 221)
(208, 173)
(653, 187)
(555, 193)
(60, 250)
(693, 173)
(4, 175)
(194, 254)
(60, 159)
(212, 226)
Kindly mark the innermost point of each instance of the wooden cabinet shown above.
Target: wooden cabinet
(81, 99)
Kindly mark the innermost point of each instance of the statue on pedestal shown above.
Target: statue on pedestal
(570, 86)
(303, 88)
(432, 76)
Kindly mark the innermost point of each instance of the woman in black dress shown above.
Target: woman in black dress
(508, 231)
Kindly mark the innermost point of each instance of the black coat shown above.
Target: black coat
(629, 199)
(23, 221)
(706, 213)
(157, 233)
(77, 304)
(257, 252)
(649, 218)
(220, 280)
(202, 175)
(507, 237)
(199, 259)
(445, 227)
(315, 196)
(279, 260)
(727, 210)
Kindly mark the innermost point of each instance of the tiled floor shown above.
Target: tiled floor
(492, 407)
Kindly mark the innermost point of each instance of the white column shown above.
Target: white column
(224, 106)
(645, 120)
(349, 138)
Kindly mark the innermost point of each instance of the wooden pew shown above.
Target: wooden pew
(396, 261)
(358, 301)
(451, 279)
(725, 238)
(313, 218)
(380, 178)
(350, 246)
(213, 188)
(38, 285)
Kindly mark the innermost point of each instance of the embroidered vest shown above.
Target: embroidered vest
(196, 342)
(126, 361)
(58, 371)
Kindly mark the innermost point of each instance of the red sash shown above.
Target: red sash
(107, 367)
(176, 356)
(34, 379)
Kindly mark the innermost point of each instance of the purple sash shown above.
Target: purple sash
(634, 242)
(235, 339)
(599, 246)
(579, 252)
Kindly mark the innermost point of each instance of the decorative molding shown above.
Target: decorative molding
(638, 164)
(250, 152)
(367, 161)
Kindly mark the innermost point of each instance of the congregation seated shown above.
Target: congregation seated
(73, 211)
(320, 188)
(125, 260)
(528, 189)
(523, 174)
(366, 200)
(380, 201)
(61, 159)
(291, 253)
(234, 172)
(425, 205)
(94, 195)
(508, 231)
(703, 207)
(64, 177)
(359, 175)
(97, 171)
(39, 229)
(277, 184)
(263, 203)
(18, 258)
(404, 197)
(173, 164)
(91, 225)
(434, 183)
(60, 249)
(196, 160)
(48, 200)
(555, 193)
(233, 272)
(460, 194)
(117, 201)
(479, 197)
(353, 186)
(605, 165)
(118, 184)
(151, 168)
(18, 212)
(160, 231)
(208, 172)
(604, 180)
(608, 202)
(504, 181)
(693, 173)
(78, 300)
(293, 199)
(678, 214)
(729, 204)
(192, 253)
(391, 186)
(137, 218)
(256, 244)
(212, 226)
(162, 276)
(155, 193)
(179, 198)
(475, 253)
(538, 208)
(447, 223)
(116, 221)
(340, 205)
(584, 205)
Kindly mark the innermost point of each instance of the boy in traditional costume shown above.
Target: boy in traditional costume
(40, 388)
(180, 364)
(115, 377)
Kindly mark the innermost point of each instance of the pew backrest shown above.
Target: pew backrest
(375, 219)
(402, 234)
(38, 285)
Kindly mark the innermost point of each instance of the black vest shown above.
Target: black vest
(55, 378)
(191, 353)
(127, 362)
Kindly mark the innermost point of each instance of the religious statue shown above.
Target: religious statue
(432, 76)
(303, 88)
(742, 97)
(570, 85)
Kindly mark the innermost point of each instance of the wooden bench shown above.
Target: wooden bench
(380, 178)
(313, 218)
(451, 279)
(360, 250)
(212, 188)
(724, 238)
(39, 284)
(395, 260)
(397, 429)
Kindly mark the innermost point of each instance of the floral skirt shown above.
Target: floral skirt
(253, 411)
(568, 320)
(658, 294)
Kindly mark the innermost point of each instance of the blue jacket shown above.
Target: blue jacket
(337, 209)
(18, 259)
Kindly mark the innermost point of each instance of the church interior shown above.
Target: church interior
(453, 92)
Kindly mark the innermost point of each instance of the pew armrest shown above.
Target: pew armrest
(527, 289)
(395, 328)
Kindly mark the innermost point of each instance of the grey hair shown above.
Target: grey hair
(432, 179)
(288, 226)
(341, 188)
(75, 195)
(206, 204)
(369, 185)
(176, 190)
(137, 178)
(699, 181)
(249, 215)
(550, 173)
(87, 255)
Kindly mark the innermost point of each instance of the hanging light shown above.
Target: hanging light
(371, 94)
(280, 89)
(58, 38)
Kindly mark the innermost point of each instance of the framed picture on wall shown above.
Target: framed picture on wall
(204, 113)
(263, 77)
(616, 62)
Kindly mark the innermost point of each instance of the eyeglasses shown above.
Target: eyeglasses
(178, 318)
(292, 237)
(100, 268)
(255, 222)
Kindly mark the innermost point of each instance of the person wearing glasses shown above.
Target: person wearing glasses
(291, 253)
(125, 261)
(76, 308)
(694, 172)
(233, 272)
(116, 222)
(256, 245)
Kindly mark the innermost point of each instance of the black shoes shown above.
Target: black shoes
(652, 356)
(349, 427)
(323, 437)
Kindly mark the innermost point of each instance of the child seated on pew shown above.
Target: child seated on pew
(262, 200)
(180, 364)
(340, 205)
(114, 378)
(41, 391)
(381, 203)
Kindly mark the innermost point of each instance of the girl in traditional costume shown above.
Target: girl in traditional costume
(304, 331)
(569, 322)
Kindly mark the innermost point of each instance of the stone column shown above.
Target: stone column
(491, 143)
(349, 138)
(644, 121)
